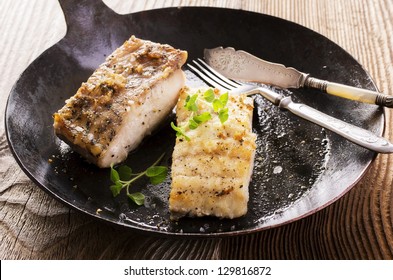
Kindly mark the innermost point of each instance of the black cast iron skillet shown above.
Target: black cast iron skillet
(299, 168)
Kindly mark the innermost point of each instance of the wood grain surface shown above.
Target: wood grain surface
(358, 226)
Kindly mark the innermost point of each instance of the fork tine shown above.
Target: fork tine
(211, 76)
(207, 79)
(217, 80)
(220, 76)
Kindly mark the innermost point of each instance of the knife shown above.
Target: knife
(243, 66)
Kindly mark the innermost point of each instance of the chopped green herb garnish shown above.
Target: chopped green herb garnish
(217, 105)
(179, 132)
(209, 95)
(224, 99)
(191, 103)
(220, 103)
(202, 118)
(192, 124)
(123, 178)
(223, 115)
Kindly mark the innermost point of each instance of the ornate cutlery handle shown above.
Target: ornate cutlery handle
(357, 135)
(353, 93)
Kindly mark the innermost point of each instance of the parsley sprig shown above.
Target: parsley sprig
(123, 177)
(218, 106)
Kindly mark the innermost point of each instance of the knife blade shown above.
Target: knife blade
(243, 66)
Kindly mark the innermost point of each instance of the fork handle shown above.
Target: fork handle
(353, 133)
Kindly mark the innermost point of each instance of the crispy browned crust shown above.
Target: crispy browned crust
(91, 118)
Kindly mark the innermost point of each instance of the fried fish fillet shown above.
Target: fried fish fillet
(122, 101)
(211, 172)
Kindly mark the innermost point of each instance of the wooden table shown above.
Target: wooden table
(358, 226)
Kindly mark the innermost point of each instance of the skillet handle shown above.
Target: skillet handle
(78, 10)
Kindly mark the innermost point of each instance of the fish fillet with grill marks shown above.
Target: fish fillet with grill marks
(211, 172)
(122, 101)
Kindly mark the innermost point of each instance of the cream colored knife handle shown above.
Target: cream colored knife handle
(353, 93)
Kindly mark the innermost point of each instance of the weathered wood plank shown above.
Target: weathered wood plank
(358, 226)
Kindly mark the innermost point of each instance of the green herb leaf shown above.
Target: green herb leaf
(223, 115)
(125, 173)
(209, 95)
(158, 179)
(192, 124)
(175, 128)
(137, 197)
(179, 132)
(114, 175)
(155, 170)
(115, 189)
(217, 105)
(187, 99)
(204, 117)
(157, 174)
(191, 103)
(123, 177)
(224, 99)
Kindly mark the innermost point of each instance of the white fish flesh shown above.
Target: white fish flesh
(211, 171)
(122, 101)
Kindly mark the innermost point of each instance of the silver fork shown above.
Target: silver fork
(357, 135)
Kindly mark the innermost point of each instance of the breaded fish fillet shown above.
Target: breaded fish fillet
(212, 170)
(122, 101)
